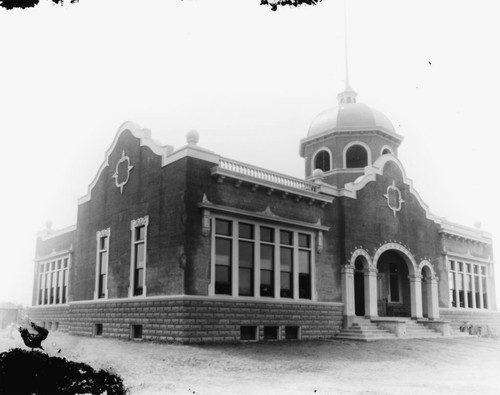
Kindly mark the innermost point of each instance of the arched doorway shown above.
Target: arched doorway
(394, 293)
(359, 287)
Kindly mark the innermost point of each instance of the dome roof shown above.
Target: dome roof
(350, 116)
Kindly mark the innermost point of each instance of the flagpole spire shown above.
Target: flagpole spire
(348, 95)
(345, 46)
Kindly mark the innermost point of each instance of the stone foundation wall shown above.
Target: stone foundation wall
(475, 317)
(198, 319)
(52, 318)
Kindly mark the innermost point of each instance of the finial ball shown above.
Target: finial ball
(318, 174)
(192, 137)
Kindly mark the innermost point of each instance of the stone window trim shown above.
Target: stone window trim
(316, 153)
(134, 224)
(351, 144)
(257, 264)
(460, 270)
(100, 234)
(53, 280)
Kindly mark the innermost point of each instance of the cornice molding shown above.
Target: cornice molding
(265, 215)
(47, 234)
(351, 132)
(54, 254)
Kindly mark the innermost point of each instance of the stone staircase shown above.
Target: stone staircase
(415, 330)
(364, 330)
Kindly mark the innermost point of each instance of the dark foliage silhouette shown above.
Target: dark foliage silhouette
(27, 372)
(10, 4)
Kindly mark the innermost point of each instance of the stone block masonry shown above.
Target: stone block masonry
(475, 317)
(186, 319)
(54, 318)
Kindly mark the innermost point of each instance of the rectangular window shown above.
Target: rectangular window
(291, 332)
(467, 284)
(468, 289)
(286, 272)
(248, 333)
(477, 291)
(485, 294)
(136, 332)
(102, 263)
(245, 259)
(453, 295)
(223, 257)
(266, 269)
(304, 266)
(245, 253)
(65, 286)
(271, 332)
(138, 264)
(97, 329)
(51, 282)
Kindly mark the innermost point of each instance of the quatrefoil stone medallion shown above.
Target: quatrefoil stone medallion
(393, 196)
(122, 171)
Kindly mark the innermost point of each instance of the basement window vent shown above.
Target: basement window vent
(97, 329)
(55, 327)
(248, 333)
(292, 332)
(271, 332)
(136, 332)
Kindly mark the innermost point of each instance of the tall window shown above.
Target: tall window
(272, 261)
(356, 157)
(245, 259)
(322, 160)
(286, 264)
(139, 241)
(53, 281)
(304, 266)
(266, 261)
(468, 285)
(102, 263)
(223, 257)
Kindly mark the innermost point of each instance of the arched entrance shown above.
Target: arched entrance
(430, 304)
(359, 287)
(393, 296)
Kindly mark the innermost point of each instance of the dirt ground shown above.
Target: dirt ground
(435, 366)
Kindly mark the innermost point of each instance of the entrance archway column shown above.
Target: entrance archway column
(371, 308)
(432, 298)
(416, 295)
(348, 294)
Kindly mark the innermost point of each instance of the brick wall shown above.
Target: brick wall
(476, 317)
(195, 320)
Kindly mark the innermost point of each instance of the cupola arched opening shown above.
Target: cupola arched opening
(322, 160)
(386, 150)
(356, 156)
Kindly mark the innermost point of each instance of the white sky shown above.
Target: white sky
(250, 81)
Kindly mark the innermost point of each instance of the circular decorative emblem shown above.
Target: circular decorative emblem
(122, 171)
(393, 196)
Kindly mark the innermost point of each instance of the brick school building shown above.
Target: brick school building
(185, 245)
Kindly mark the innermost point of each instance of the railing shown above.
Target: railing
(266, 175)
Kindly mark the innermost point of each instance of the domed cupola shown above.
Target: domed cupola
(343, 140)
